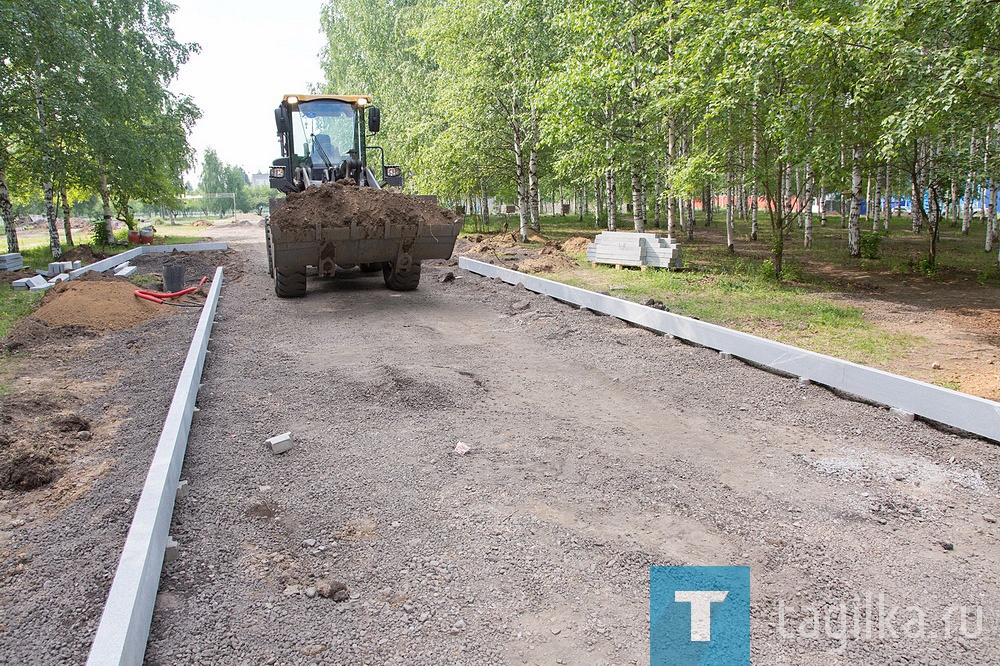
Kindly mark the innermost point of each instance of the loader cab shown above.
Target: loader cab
(323, 139)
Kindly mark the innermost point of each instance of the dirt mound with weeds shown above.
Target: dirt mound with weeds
(84, 254)
(343, 205)
(555, 262)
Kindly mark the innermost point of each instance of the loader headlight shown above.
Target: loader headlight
(362, 101)
(392, 171)
(277, 172)
(292, 100)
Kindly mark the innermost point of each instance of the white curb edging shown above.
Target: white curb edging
(959, 410)
(128, 255)
(124, 628)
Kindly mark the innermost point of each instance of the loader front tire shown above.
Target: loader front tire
(400, 279)
(290, 282)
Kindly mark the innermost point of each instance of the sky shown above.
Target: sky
(253, 52)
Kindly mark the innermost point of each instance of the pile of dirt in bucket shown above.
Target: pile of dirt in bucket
(343, 204)
(96, 305)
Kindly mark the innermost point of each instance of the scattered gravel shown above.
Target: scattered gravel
(595, 450)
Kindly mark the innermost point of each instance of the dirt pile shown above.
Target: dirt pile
(97, 305)
(343, 205)
(576, 245)
(84, 254)
(555, 262)
(6, 277)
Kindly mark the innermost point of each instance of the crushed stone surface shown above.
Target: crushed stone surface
(595, 450)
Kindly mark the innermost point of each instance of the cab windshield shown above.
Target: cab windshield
(323, 131)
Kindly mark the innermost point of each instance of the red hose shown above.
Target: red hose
(139, 293)
(165, 295)
(158, 297)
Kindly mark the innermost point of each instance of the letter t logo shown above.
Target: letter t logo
(701, 610)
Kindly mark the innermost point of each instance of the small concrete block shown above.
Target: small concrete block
(280, 443)
(77, 264)
(171, 551)
(127, 271)
(182, 489)
(902, 415)
(47, 286)
(803, 382)
(725, 355)
(62, 277)
(20, 284)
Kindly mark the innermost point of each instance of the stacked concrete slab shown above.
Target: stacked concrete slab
(626, 248)
(33, 283)
(11, 262)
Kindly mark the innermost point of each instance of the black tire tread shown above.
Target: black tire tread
(402, 280)
(290, 282)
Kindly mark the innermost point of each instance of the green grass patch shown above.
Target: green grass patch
(14, 305)
(754, 303)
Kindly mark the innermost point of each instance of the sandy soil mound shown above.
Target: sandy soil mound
(343, 205)
(97, 305)
(576, 245)
(202, 223)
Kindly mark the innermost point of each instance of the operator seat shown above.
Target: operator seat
(323, 147)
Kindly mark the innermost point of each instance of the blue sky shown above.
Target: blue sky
(252, 53)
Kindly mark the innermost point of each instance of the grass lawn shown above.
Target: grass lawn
(738, 289)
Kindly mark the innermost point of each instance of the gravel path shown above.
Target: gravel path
(597, 450)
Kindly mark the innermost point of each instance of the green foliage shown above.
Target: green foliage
(871, 245)
(84, 100)
(100, 233)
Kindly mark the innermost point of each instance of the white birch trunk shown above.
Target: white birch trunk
(599, 201)
(888, 195)
(47, 189)
(67, 212)
(970, 187)
(612, 199)
(6, 207)
(808, 212)
(854, 223)
(988, 194)
(822, 204)
(878, 198)
(637, 220)
(730, 243)
(668, 189)
(522, 195)
(533, 189)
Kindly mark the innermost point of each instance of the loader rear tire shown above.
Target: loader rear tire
(269, 249)
(401, 279)
(290, 282)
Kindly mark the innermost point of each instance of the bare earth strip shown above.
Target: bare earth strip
(597, 451)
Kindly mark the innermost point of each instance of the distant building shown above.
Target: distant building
(259, 179)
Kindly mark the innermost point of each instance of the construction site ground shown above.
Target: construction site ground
(596, 450)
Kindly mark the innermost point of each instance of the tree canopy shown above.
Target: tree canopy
(84, 103)
(771, 103)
